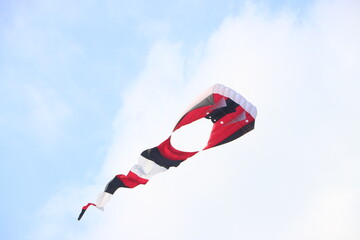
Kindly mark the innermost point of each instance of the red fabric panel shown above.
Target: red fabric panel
(88, 205)
(198, 113)
(132, 180)
(171, 153)
(192, 116)
(226, 127)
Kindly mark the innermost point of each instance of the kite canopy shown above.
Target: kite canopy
(231, 116)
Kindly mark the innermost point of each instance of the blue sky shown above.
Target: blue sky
(75, 78)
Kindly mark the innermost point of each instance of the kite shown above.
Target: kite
(231, 117)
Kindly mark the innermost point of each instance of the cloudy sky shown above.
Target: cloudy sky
(86, 86)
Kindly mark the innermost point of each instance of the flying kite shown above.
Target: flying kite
(231, 116)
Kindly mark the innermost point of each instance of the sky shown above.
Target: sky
(86, 86)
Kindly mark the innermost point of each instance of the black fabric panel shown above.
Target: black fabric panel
(113, 185)
(154, 155)
(221, 112)
(247, 128)
(81, 214)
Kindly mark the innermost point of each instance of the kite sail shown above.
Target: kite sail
(231, 116)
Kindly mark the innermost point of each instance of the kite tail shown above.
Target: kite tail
(130, 180)
(151, 162)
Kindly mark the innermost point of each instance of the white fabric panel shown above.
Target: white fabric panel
(236, 97)
(146, 168)
(227, 92)
(199, 98)
(102, 199)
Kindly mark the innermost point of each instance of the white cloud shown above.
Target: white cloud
(293, 177)
(332, 214)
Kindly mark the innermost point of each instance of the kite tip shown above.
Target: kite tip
(84, 208)
(81, 214)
